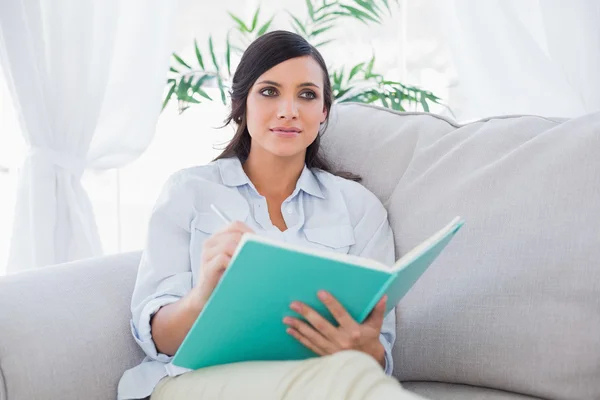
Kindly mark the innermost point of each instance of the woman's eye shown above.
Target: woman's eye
(268, 92)
(308, 95)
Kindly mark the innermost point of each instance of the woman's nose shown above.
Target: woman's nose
(287, 109)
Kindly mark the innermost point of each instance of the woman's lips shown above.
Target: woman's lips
(285, 132)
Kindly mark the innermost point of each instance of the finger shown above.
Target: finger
(338, 311)
(317, 338)
(238, 226)
(306, 342)
(225, 243)
(319, 323)
(218, 264)
(376, 316)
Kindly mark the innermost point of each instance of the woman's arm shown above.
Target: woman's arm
(172, 322)
(375, 240)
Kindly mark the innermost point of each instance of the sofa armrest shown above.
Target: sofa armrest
(64, 329)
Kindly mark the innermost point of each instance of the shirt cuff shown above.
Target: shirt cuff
(389, 361)
(142, 331)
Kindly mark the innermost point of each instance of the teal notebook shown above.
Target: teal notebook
(243, 319)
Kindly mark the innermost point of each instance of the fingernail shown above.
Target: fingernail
(322, 295)
(295, 306)
(287, 320)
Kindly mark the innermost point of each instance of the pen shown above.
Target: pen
(221, 214)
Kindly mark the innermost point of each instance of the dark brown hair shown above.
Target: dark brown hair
(263, 54)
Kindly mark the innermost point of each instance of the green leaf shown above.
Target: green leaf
(355, 70)
(264, 28)
(299, 24)
(182, 88)
(342, 14)
(190, 99)
(424, 103)
(432, 97)
(203, 94)
(228, 56)
(169, 94)
(358, 14)
(387, 5)
(180, 61)
(368, 5)
(198, 54)
(173, 70)
(319, 31)
(311, 10)
(384, 101)
(326, 18)
(324, 7)
(212, 53)
(369, 70)
(200, 81)
(323, 43)
(241, 25)
(342, 92)
(221, 89)
(255, 19)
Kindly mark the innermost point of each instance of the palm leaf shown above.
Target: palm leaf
(169, 95)
(319, 31)
(228, 55)
(323, 43)
(358, 14)
(255, 19)
(180, 61)
(355, 70)
(311, 10)
(299, 24)
(241, 25)
(198, 54)
(212, 53)
(264, 28)
(221, 89)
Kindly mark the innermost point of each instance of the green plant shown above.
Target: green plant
(358, 83)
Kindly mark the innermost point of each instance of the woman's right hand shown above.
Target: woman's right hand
(217, 251)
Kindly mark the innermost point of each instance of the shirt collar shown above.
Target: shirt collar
(232, 174)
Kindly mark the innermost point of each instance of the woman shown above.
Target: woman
(272, 177)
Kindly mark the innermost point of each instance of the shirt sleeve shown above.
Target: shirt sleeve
(375, 240)
(164, 274)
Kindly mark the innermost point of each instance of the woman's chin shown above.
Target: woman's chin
(287, 150)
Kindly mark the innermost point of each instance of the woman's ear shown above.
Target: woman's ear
(324, 115)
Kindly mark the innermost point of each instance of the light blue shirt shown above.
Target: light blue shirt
(324, 211)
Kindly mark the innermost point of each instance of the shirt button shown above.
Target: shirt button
(290, 210)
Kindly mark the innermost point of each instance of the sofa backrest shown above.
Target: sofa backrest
(514, 302)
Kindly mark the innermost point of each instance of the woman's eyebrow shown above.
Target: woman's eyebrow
(305, 84)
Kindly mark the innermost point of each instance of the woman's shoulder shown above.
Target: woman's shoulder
(207, 172)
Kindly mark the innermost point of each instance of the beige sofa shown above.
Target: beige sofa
(511, 309)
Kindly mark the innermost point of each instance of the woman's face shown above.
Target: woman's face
(285, 107)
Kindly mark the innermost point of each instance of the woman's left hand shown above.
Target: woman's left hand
(323, 338)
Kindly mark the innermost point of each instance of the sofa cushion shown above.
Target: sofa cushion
(449, 391)
(64, 330)
(513, 303)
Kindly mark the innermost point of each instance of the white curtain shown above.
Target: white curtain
(87, 79)
(525, 56)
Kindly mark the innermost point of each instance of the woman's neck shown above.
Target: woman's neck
(272, 176)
